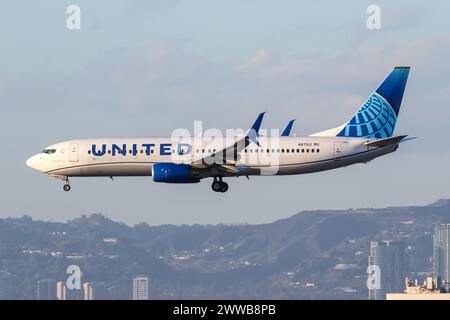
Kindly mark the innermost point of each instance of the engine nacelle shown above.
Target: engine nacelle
(173, 173)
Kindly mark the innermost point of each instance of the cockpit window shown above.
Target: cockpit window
(49, 151)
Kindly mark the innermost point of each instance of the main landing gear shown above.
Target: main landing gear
(218, 185)
(66, 185)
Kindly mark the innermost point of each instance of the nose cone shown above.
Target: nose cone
(35, 162)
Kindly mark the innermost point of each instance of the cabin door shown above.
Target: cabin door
(73, 157)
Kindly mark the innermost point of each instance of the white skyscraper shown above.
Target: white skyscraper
(88, 289)
(140, 288)
(441, 254)
(61, 291)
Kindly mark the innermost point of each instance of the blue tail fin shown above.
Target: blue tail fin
(377, 117)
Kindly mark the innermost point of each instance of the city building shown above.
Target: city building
(441, 254)
(61, 291)
(5, 285)
(431, 289)
(389, 259)
(140, 288)
(88, 289)
(46, 290)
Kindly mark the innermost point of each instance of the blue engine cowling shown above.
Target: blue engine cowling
(173, 173)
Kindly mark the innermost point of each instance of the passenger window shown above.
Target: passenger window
(312, 150)
(109, 151)
(317, 150)
(307, 150)
(282, 150)
(287, 150)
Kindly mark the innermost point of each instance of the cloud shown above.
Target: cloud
(164, 81)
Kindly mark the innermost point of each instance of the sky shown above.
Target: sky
(141, 68)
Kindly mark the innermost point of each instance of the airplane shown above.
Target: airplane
(367, 135)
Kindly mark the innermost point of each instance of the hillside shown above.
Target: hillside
(276, 260)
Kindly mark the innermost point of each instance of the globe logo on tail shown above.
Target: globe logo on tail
(375, 119)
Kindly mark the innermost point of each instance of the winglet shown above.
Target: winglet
(253, 132)
(258, 122)
(287, 131)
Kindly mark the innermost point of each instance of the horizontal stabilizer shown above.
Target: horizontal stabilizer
(385, 142)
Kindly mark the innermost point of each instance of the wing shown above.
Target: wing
(223, 161)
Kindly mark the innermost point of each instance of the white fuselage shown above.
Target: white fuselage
(136, 156)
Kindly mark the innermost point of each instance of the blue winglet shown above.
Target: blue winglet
(253, 132)
(258, 122)
(287, 131)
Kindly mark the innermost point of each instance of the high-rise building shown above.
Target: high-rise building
(88, 289)
(61, 291)
(46, 289)
(441, 254)
(389, 257)
(5, 285)
(140, 288)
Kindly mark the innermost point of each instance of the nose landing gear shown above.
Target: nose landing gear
(218, 185)
(66, 185)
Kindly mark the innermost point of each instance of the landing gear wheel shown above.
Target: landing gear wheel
(216, 186)
(66, 184)
(224, 187)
